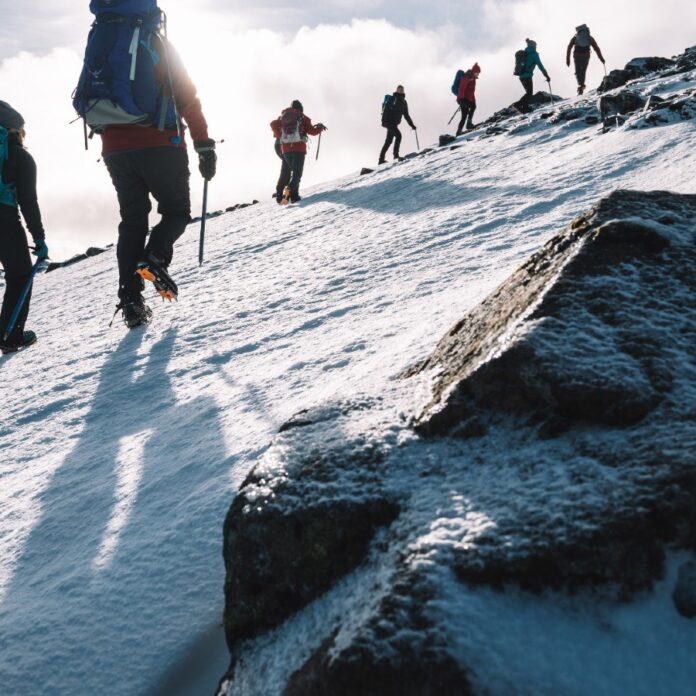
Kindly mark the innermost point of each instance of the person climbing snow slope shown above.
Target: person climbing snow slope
(582, 42)
(466, 97)
(526, 61)
(394, 108)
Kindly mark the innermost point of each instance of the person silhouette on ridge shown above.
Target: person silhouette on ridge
(394, 108)
(466, 97)
(582, 42)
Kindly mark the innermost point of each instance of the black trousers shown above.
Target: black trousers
(528, 85)
(285, 172)
(581, 63)
(291, 174)
(16, 262)
(393, 134)
(468, 109)
(162, 172)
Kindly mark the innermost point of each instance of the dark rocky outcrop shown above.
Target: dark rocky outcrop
(635, 69)
(684, 595)
(555, 455)
(620, 103)
(91, 251)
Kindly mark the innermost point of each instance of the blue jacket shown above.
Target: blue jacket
(532, 61)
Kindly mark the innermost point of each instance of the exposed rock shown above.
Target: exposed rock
(635, 69)
(620, 103)
(446, 139)
(684, 595)
(366, 170)
(555, 456)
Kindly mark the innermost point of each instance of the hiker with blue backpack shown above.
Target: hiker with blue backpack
(581, 45)
(464, 88)
(292, 130)
(138, 107)
(17, 193)
(394, 108)
(526, 60)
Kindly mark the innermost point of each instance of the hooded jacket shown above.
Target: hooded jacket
(467, 87)
(306, 128)
(20, 169)
(533, 61)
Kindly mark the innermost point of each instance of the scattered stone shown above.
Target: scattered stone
(446, 139)
(366, 170)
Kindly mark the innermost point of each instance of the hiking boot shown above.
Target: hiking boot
(471, 126)
(155, 270)
(399, 158)
(295, 199)
(135, 311)
(381, 161)
(581, 89)
(27, 339)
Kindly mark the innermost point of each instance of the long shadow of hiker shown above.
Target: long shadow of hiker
(103, 581)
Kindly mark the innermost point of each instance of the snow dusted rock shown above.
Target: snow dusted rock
(623, 102)
(685, 592)
(665, 110)
(536, 493)
(636, 68)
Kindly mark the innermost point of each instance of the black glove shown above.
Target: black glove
(322, 126)
(414, 127)
(207, 159)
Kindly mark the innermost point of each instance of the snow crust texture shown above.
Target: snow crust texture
(554, 464)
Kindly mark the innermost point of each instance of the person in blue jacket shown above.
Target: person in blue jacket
(532, 61)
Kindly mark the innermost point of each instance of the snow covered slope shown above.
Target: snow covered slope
(121, 451)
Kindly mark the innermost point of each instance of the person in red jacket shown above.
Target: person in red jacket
(146, 161)
(292, 128)
(582, 42)
(466, 97)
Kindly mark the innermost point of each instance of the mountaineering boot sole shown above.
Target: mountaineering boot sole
(162, 281)
(28, 339)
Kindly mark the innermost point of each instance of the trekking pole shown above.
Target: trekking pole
(453, 115)
(40, 265)
(550, 90)
(204, 215)
(415, 130)
(318, 148)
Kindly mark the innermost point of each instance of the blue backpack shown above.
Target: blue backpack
(8, 192)
(457, 80)
(118, 82)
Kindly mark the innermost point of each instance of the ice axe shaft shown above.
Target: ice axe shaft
(318, 148)
(40, 265)
(453, 115)
(204, 215)
(550, 90)
(415, 130)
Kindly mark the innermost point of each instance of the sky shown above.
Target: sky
(339, 57)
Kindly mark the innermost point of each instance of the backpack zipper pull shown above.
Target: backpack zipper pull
(133, 50)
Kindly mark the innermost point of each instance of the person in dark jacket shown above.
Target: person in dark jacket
(526, 77)
(393, 110)
(292, 130)
(466, 98)
(144, 162)
(582, 42)
(17, 193)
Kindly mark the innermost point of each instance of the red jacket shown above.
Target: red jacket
(306, 128)
(467, 87)
(134, 137)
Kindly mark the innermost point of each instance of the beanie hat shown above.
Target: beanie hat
(531, 43)
(9, 118)
(297, 104)
(476, 69)
(400, 89)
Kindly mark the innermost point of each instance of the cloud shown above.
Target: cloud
(340, 71)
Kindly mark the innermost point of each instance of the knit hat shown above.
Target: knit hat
(9, 118)
(476, 69)
(400, 89)
(297, 104)
(531, 43)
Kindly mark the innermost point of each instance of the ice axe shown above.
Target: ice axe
(39, 266)
(550, 90)
(204, 215)
(453, 115)
(318, 147)
(415, 130)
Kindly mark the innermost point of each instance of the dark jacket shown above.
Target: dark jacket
(20, 169)
(533, 61)
(392, 115)
(583, 52)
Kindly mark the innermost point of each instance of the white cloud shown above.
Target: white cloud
(340, 72)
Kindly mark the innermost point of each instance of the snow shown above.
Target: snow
(120, 451)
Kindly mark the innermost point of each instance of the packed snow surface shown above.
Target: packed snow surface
(121, 450)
